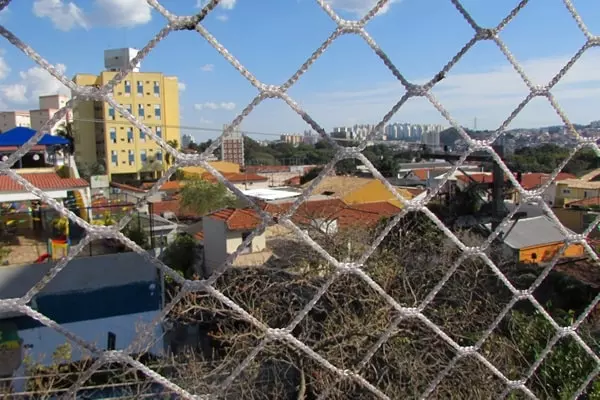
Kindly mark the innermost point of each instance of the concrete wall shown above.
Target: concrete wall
(234, 239)
(215, 244)
(84, 273)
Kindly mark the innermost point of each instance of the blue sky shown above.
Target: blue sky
(348, 84)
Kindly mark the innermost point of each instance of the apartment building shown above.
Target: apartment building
(48, 106)
(14, 119)
(232, 146)
(103, 135)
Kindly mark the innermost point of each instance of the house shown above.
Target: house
(223, 231)
(109, 296)
(358, 190)
(569, 190)
(534, 180)
(535, 240)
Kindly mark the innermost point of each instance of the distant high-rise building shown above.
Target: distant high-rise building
(232, 146)
(410, 132)
(186, 140)
(292, 139)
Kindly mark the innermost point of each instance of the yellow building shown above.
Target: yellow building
(570, 190)
(102, 135)
(357, 190)
(221, 166)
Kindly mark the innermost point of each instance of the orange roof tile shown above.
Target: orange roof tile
(199, 236)
(173, 205)
(237, 219)
(130, 188)
(236, 177)
(43, 181)
(533, 180)
(590, 201)
(335, 209)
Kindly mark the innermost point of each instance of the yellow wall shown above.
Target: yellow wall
(89, 151)
(221, 166)
(374, 191)
(573, 195)
(548, 252)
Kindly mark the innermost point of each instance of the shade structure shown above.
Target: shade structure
(20, 135)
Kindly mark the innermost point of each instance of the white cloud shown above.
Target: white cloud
(33, 83)
(490, 96)
(226, 4)
(215, 106)
(4, 68)
(15, 93)
(359, 7)
(64, 15)
(122, 13)
(223, 18)
(207, 68)
(67, 15)
(203, 120)
(181, 86)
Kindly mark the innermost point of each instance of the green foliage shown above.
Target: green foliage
(86, 170)
(181, 255)
(201, 197)
(546, 158)
(174, 144)
(136, 233)
(562, 372)
(63, 171)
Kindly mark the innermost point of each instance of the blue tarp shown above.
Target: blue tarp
(19, 136)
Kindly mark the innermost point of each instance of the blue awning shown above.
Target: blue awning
(19, 136)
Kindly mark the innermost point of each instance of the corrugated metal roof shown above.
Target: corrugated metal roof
(530, 232)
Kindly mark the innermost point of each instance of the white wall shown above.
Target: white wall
(234, 240)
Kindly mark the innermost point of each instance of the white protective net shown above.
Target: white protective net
(352, 270)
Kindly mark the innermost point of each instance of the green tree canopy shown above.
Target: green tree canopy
(201, 197)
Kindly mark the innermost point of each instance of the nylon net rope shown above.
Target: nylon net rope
(353, 270)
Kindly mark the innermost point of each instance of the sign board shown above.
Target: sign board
(99, 181)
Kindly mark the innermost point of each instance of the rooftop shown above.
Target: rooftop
(43, 181)
(237, 219)
(530, 232)
(270, 194)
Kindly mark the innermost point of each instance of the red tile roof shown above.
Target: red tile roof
(129, 188)
(237, 177)
(14, 148)
(533, 180)
(167, 186)
(590, 201)
(43, 181)
(237, 219)
(335, 209)
(294, 181)
(174, 206)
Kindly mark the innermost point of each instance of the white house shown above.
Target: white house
(225, 230)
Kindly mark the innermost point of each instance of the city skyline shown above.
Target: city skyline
(348, 84)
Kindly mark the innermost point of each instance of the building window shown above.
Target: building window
(111, 112)
(128, 108)
(157, 111)
(131, 157)
(129, 135)
(159, 131)
(127, 88)
(140, 88)
(113, 135)
(142, 136)
(158, 156)
(141, 111)
(156, 89)
(114, 158)
(143, 156)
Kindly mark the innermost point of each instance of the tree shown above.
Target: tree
(180, 255)
(152, 165)
(65, 130)
(86, 170)
(174, 144)
(201, 197)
